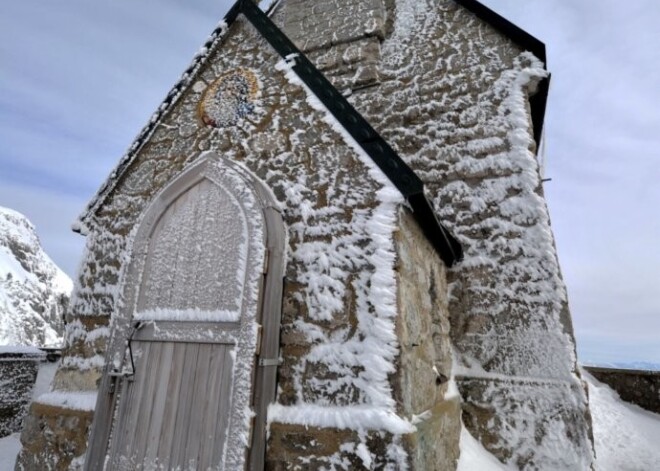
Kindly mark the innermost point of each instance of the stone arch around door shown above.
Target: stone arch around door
(194, 346)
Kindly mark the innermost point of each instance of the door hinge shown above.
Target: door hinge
(252, 422)
(260, 329)
(116, 375)
(266, 258)
(270, 361)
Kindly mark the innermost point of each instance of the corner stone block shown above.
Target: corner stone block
(52, 438)
(435, 446)
(300, 448)
(524, 421)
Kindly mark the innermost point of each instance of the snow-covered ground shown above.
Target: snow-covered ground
(627, 437)
(10, 446)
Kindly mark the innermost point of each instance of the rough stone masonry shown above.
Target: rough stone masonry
(450, 94)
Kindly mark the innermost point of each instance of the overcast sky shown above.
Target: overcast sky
(79, 79)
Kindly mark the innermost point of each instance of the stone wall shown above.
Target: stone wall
(342, 37)
(18, 373)
(340, 217)
(635, 386)
(450, 95)
(54, 438)
(453, 101)
(425, 362)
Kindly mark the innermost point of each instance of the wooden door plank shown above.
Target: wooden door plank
(212, 405)
(198, 410)
(222, 422)
(177, 458)
(174, 246)
(154, 433)
(157, 275)
(172, 392)
(186, 226)
(146, 404)
(205, 225)
(126, 422)
(124, 399)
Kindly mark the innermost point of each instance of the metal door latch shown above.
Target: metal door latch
(270, 362)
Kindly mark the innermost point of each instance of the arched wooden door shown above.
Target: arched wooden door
(193, 352)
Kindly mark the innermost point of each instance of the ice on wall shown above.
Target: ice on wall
(373, 347)
(461, 124)
(626, 436)
(456, 111)
(340, 219)
(467, 136)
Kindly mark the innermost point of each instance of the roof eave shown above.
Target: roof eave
(538, 102)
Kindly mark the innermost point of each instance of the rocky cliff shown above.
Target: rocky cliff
(34, 292)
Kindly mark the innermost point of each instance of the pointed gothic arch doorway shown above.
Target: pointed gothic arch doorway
(194, 348)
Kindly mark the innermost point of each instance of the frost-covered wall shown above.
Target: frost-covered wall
(339, 338)
(367, 379)
(18, 372)
(453, 102)
(424, 388)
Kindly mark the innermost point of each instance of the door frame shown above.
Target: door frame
(260, 203)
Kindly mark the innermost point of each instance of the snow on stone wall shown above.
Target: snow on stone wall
(18, 372)
(456, 110)
(452, 101)
(338, 342)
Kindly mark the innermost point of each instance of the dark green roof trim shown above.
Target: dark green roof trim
(537, 104)
(396, 170)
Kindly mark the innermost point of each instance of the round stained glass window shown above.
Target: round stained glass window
(229, 98)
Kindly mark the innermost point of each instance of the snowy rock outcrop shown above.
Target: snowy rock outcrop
(34, 292)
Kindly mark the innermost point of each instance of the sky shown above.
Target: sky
(79, 79)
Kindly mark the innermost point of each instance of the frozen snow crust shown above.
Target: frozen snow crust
(625, 436)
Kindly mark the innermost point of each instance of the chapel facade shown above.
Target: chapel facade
(328, 249)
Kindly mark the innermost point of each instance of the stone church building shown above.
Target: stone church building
(328, 249)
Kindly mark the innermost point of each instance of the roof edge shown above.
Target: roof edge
(216, 37)
(392, 165)
(538, 102)
(506, 27)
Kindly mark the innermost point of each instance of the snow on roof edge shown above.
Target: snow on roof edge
(172, 97)
(448, 248)
(508, 28)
